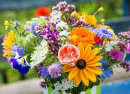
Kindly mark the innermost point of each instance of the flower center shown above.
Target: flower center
(68, 54)
(81, 63)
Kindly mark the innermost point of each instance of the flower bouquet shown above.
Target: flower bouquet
(68, 49)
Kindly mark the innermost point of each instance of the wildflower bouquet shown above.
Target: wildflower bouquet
(68, 49)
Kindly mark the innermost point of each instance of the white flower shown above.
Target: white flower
(62, 26)
(110, 45)
(64, 33)
(39, 54)
(55, 16)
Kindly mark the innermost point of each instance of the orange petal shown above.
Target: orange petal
(84, 78)
(81, 49)
(92, 54)
(87, 51)
(73, 73)
(77, 79)
(68, 68)
(94, 64)
(95, 70)
(95, 59)
(90, 75)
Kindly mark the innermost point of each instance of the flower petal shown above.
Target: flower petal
(92, 54)
(87, 51)
(90, 75)
(95, 70)
(84, 78)
(81, 49)
(73, 73)
(68, 68)
(94, 64)
(95, 59)
(77, 79)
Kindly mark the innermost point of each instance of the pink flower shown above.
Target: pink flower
(68, 54)
(8, 59)
(3, 42)
(128, 48)
(116, 54)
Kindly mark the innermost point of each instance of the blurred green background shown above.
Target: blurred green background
(112, 10)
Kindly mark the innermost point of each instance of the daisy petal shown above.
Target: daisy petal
(95, 70)
(87, 51)
(81, 49)
(94, 64)
(90, 75)
(92, 54)
(68, 68)
(77, 79)
(84, 78)
(95, 59)
(73, 73)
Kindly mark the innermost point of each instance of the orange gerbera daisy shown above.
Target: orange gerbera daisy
(85, 67)
(83, 35)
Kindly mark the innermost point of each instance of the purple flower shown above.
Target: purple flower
(55, 70)
(116, 54)
(79, 23)
(71, 20)
(17, 49)
(125, 65)
(20, 64)
(122, 46)
(44, 71)
(128, 48)
(43, 84)
(16, 24)
(34, 25)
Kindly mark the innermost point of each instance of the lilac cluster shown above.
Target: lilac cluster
(125, 65)
(63, 6)
(122, 46)
(79, 23)
(43, 84)
(55, 70)
(125, 35)
(51, 34)
(71, 20)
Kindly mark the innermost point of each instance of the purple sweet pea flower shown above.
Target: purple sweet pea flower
(128, 48)
(116, 54)
(55, 70)
(43, 84)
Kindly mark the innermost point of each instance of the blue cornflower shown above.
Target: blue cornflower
(34, 25)
(20, 64)
(44, 71)
(106, 71)
(17, 49)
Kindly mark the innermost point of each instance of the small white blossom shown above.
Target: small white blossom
(110, 45)
(55, 16)
(39, 54)
(62, 26)
(64, 33)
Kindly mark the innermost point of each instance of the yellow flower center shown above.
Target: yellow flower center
(68, 54)
(81, 63)
(22, 60)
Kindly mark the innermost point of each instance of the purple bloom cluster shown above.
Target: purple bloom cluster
(42, 71)
(43, 84)
(55, 70)
(122, 46)
(63, 6)
(71, 20)
(125, 35)
(51, 34)
(102, 32)
(125, 65)
(79, 23)
(16, 24)
(17, 49)
(116, 54)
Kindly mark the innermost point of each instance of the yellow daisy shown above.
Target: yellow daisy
(8, 43)
(85, 67)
